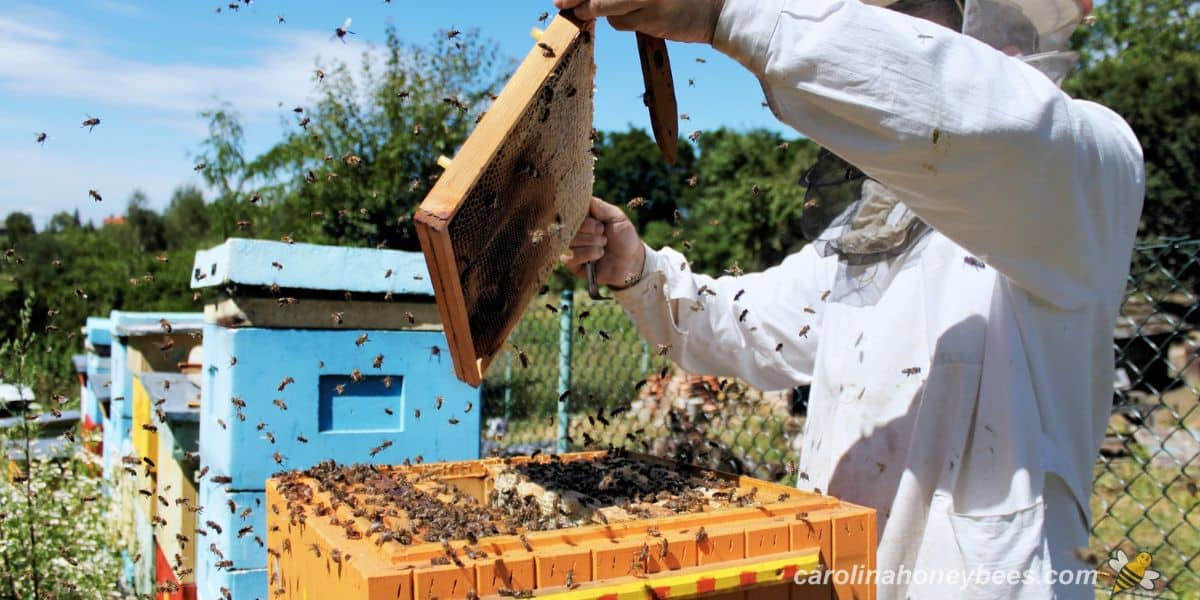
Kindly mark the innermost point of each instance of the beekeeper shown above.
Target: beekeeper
(971, 229)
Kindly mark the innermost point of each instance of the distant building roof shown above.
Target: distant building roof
(114, 220)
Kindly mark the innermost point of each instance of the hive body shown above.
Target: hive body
(757, 536)
(498, 220)
(350, 385)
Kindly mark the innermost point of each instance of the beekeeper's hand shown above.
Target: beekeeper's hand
(679, 20)
(610, 239)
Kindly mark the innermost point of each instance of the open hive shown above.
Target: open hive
(586, 525)
(497, 221)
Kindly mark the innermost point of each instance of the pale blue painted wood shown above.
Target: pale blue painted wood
(354, 422)
(248, 584)
(311, 267)
(244, 551)
(143, 569)
(98, 331)
(132, 324)
(98, 388)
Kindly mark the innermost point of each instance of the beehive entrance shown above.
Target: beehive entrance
(495, 224)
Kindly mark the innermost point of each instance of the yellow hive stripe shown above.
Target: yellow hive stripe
(686, 585)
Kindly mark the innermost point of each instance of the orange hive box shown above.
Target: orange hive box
(496, 222)
(595, 525)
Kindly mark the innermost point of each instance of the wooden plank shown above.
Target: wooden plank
(314, 313)
(497, 221)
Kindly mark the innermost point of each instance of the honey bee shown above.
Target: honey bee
(341, 33)
(90, 122)
(286, 382)
(804, 331)
(279, 458)
(301, 439)
(469, 407)
(378, 362)
(911, 371)
(417, 413)
(387, 382)
(408, 316)
(356, 376)
(695, 135)
(221, 479)
(454, 421)
(95, 195)
(701, 535)
(742, 317)
(542, 17)
(279, 403)
(547, 51)
(974, 262)
(150, 427)
(362, 339)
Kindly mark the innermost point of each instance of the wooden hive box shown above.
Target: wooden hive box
(497, 221)
(329, 538)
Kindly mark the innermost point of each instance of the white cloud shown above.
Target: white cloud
(38, 61)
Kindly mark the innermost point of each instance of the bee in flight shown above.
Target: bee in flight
(1131, 573)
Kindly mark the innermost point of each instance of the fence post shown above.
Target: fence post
(564, 366)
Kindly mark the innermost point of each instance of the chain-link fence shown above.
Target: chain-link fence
(581, 365)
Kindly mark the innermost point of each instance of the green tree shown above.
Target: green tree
(353, 167)
(629, 165)
(1142, 59)
(747, 201)
(144, 223)
(18, 227)
(186, 221)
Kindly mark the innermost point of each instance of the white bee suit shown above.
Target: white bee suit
(983, 459)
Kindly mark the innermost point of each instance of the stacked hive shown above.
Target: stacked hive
(595, 525)
(141, 343)
(312, 353)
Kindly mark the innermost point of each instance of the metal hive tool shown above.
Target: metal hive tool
(497, 221)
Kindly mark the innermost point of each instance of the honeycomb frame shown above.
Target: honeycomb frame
(497, 221)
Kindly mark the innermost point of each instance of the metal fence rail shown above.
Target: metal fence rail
(577, 375)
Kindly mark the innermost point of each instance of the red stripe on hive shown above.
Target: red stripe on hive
(706, 584)
(607, 597)
(789, 572)
(662, 592)
(748, 578)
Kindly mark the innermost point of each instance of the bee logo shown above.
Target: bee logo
(1132, 573)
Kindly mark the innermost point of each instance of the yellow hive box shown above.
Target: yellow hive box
(330, 538)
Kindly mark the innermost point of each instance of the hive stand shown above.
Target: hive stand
(97, 344)
(498, 220)
(138, 339)
(273, 318)
(749, 553)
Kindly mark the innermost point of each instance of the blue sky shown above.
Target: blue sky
(146, 69)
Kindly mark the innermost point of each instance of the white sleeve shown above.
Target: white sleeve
(762, 327)
(981, 146)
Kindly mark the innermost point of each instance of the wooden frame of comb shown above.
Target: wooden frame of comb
(497, 221)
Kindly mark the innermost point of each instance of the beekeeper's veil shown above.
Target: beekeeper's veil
(848, 214)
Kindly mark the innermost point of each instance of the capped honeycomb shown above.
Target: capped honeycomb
(497, 221)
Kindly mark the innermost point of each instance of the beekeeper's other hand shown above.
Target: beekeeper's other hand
(608, 238)
(679, 20)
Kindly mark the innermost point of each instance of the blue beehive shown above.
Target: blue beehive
(141, 342)
(314, 353)
(98, 344)
(134, 337)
